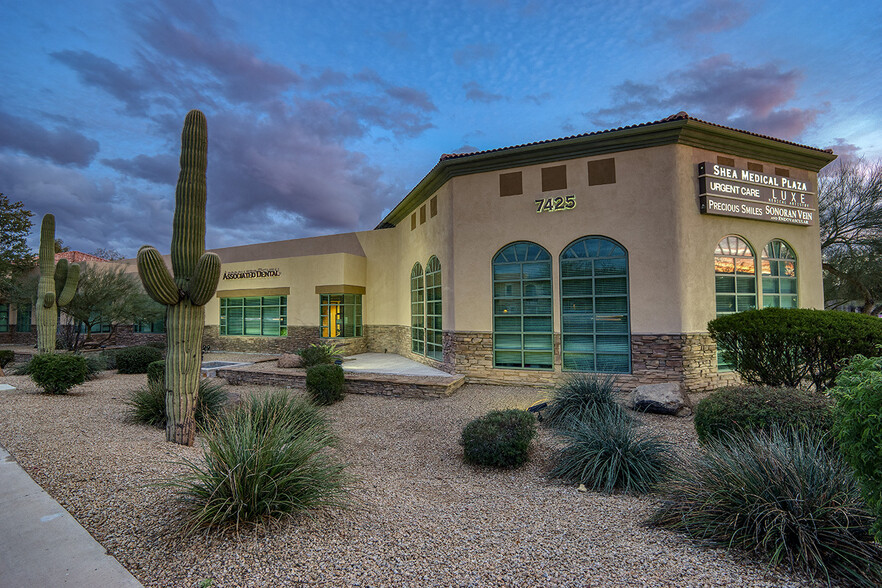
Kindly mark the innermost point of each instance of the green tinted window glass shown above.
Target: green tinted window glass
(522, 307)
(779, 275)
(254, 316)
(595, 324)
(23, 320)
(734, 255)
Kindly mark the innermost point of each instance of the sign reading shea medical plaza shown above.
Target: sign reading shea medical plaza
(729, 191)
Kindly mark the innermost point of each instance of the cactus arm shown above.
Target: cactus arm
(60, 274)
(188, 229)
(205, 278)
(48, 299)
(157, 280)
(70, 284)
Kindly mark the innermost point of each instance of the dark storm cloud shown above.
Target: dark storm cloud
(719, 90)
(476, 93)
(64, 145)
(160, 169)
(124, 84)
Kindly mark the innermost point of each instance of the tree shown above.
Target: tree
(16, 258)
(107, 294)
(850, 215)
(108, 254)
(60, 247)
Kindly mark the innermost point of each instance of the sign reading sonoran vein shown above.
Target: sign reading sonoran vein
(729, 191)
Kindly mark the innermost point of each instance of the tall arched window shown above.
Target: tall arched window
(779, 275)
(734, 276)
(417, 309)
(434, 334)
(595, 328)
(522, 309)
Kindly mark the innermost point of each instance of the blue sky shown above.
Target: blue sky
(322, 116)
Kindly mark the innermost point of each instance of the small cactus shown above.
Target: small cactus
(196, 275)
(58, 284)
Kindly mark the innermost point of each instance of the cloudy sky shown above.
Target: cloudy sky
(323, 115)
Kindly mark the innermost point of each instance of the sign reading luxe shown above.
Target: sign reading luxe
(252, 273)
(729, 191)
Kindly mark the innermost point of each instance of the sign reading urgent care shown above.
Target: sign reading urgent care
(729, 191)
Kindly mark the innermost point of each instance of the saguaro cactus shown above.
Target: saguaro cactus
(196, 275)
(58, 284)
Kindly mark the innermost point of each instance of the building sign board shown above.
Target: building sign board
(260, 272)
(729, 191)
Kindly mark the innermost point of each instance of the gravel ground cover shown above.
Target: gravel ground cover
(420, 517)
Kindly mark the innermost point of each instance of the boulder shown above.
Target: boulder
(667, 398)
(290, 360)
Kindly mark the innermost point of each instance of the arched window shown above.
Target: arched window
(779, 275)
(434, 334)
(417, 310)
(522, 309)
(734, 276)
(595, 328)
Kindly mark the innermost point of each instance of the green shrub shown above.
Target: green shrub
(260, 465)
(161, 345)
(784, 495)
(134, 360)
(109, 357)
(319, 354)
(147, 405)
(782, 347)
(22, 369)
(500, 438)
(156, 372)
(742, 408)
(325, 383)
(576, 395)
(95, 365)
(6, 357)
(605, 451)
(57, 373)
(857, 422)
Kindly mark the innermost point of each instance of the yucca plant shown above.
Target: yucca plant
(265, 460)
(606, 451)
(318, 354)
(147, 405)
(578, 394)
(785, 495)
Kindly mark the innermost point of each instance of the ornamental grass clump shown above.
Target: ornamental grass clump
(784, 495)
(500, 438)
(265, 460)
(579, 394)
(606, 451)
(146, 405)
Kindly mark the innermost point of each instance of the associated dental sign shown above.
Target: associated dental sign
(261, 272)
(729, 191)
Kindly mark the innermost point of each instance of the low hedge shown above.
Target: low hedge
(784, 346)
(134, 360)
(156, 372)
(57, 373)
(325, 383)
(500, 438)
(735, 409)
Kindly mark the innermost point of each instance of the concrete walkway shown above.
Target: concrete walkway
(389, 363)
(41, 544)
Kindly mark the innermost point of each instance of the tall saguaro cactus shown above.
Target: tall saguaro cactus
(58, 284)
(196, 274)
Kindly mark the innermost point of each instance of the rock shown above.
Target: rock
(667, 398)
(582, 488)
(290, 360)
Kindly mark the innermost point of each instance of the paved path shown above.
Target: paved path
(389, 363)
(41, 545)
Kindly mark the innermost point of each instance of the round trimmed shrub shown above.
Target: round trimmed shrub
(6, 357)
(606, 451)
(784, 495)
(748, 408)
(57, 373)
(784, 346)
(325, 383)
(134, 360)
(500, 438)
(156, 372)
